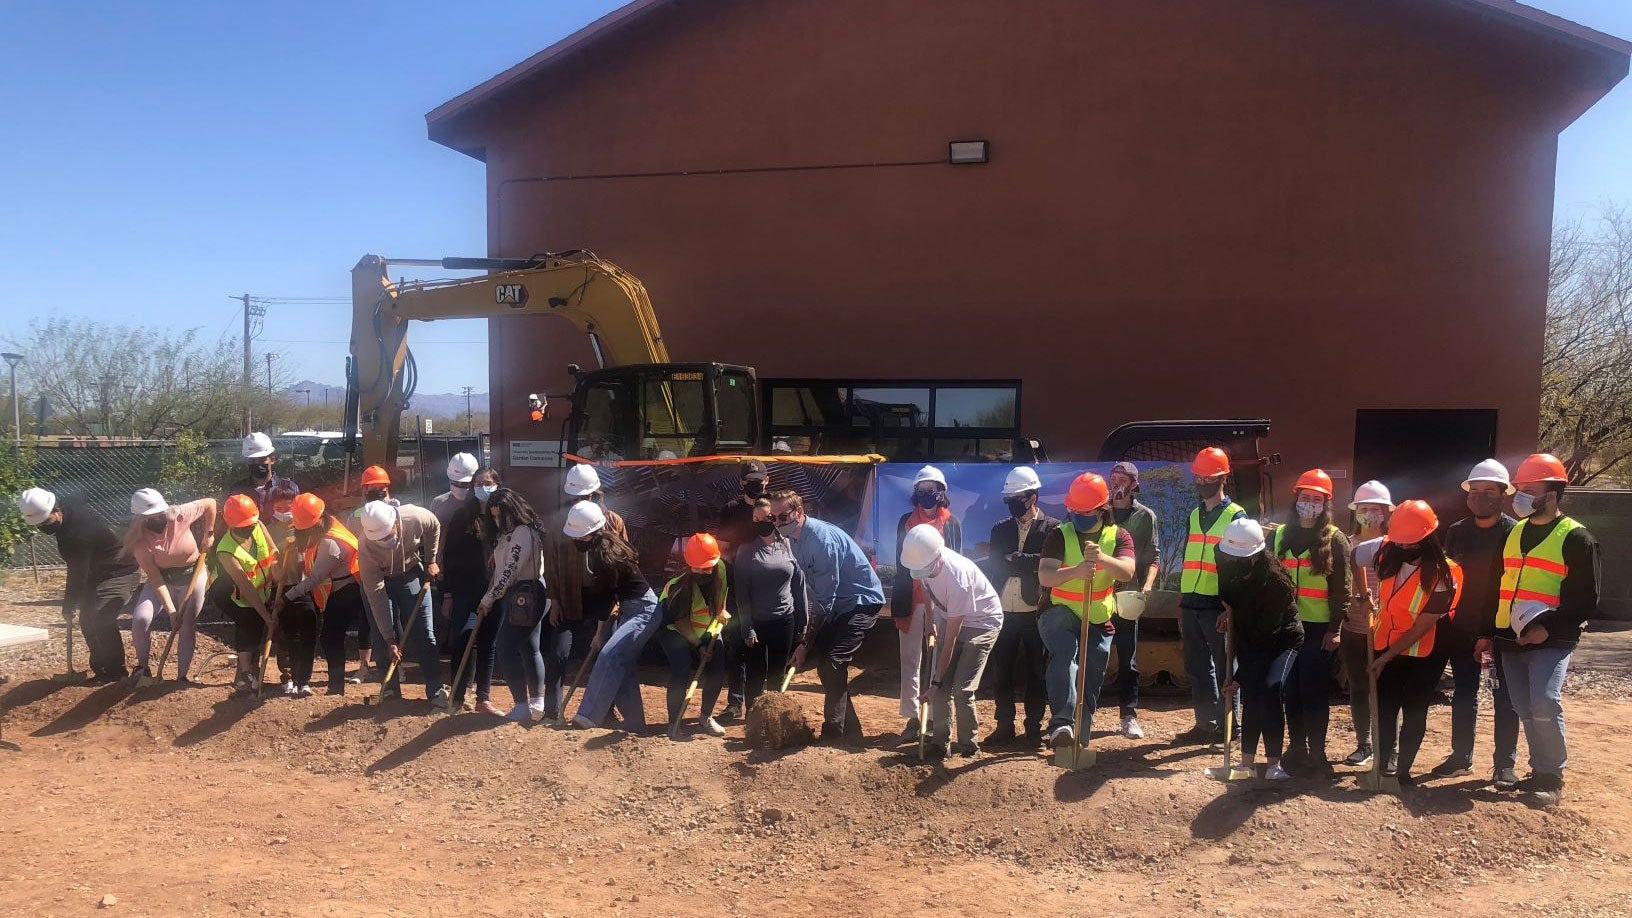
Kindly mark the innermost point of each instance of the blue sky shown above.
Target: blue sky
(157, 158)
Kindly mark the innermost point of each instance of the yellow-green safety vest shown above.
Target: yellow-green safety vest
(1101, 596)
(255, 556)
(1200, 574)
(1538, 575)
(702, 615)
(1312, 587)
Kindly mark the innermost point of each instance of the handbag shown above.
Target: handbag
(525, 604)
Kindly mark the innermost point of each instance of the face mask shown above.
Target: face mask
(1018, 506)
(764, 528)
(924, 574)
(154, 523)
(927, 499)
(1370, 519)
(754, 489)
(1206, 489)
(1085, 522)
(583, 545)
(388, 544)
(1524, 504)
(483, 492)
(50, 526)
(1409, 554)
(375, 494)
(458, 488)
(788, 529)
(1309, 509)
(282, 517)
(260, 471)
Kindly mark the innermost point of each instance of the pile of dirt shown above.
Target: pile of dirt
(776, 720)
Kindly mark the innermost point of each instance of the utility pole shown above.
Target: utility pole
(130, 406)
(468, 390)
(107, 415)
(251, 310)
(308, 394)
(248, 369)
(16, 415)
(270, 356)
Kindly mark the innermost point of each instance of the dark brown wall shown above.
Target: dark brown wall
(1278, 208)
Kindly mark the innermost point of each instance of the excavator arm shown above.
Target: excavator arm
(597, 297)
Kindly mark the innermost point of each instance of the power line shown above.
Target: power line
(418, 343)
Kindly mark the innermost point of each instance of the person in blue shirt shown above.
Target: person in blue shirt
(845, 599)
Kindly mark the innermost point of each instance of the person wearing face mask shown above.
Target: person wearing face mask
(1083, 560)
(735, 529)
(1260, 609)
(1417, 586)
(518, 592)
(329, 577)
(165, 541)
(1476, 543)
(694, 611)
(1199, 605)
(1372, 505)
(847, 598)
(468, 537)
(1550, 587)
(564, 571)
(1016, 547)
(909, 604)
(392, 565)
(612, 581)
(1316, 557)
(1140, 522)
(249, 558)
(279, 523)
(100, 579)
(376, 485)
(461, 470)
(967, 619)
(259, 484)
(768, 591)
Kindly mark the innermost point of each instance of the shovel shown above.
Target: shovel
(71, 675)
(1078, 756)
(923, 706)
(787, 679)
(1373, 779)
(175, 625)
(277, 597)
(464, 660)
(697, 676)
(1226, 772)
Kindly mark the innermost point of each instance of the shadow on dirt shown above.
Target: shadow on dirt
(228, 712)
(87, 711)
(443, 728)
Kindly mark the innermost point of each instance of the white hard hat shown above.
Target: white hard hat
(1489, 470)
(1243, 538)
(1524, 612)
(667, 454)
(929, 473)
(146, 502)
(781, 445)
(257, 446)
(462, 468)
(1372, 492)
(921, 547)
(36, 504)
(1020, 480)
(584, 518)
(1130, 604)
(379, 519)
(582, 480)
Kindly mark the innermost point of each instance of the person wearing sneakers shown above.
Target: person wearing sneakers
(166, 541)
(100, 579)
(376, 485)
(329, 577)
(468, 537)
(611, 580)
(1260, 608)
(1417, 586)
(1016, 547)
(1316, 557)
(1199, 606)
(693, 617)
(394, 566)
(909, 606)
(1476, 543)
(516, 596)
(1371, 506)
(967, 618)
(1083, 560)
(462, 469)
(1140, 522)
(564, 571)
(736, 529)
(1550, 586)
(247, 556)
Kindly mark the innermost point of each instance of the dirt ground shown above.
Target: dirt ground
(187, 802)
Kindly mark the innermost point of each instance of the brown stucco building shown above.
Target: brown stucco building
(1314, 211)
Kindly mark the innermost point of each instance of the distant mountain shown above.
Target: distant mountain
(441, 405)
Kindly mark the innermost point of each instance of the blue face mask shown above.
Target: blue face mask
(483, 492)
(1084, 522)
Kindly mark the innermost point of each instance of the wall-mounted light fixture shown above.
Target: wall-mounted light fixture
(967, 152)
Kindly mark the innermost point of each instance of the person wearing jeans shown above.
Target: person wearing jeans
(1199, 605)
(516, 597)
(396, 584)
(1261, 614)
(1083, 560)
(1316, 557)
(611, 580)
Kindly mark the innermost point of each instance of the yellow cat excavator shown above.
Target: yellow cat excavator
(636, 405)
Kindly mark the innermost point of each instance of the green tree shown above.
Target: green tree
(16, 474)
(190, 470)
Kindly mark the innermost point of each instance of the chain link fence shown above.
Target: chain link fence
(105, 474)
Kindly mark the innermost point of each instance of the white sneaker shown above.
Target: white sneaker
(535, 710)
(1131, 728)
(1276, 773)
(712, 727)
(289, 687)
(1062, 736)
(304, 691)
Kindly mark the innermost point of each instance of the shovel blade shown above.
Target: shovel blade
(1075, 758)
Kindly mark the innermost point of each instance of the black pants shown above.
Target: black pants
(1308, 710)
(1262, 676)
(248, 628)
(1019, 652)
(555, 644)
(99, 624)
(1404, 691)
(833, 647)
(1353, 649)
(1126, 644)
(735, 649)
(461, 628)
(767, 660)
(683, 658)
(297, 622)
(344, 613)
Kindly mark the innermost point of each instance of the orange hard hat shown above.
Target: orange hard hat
(1540, 467)
(376, 475)
(1087, 493)
(701, 550)
(1315, 480)
(1211, 462)
(241, 510)
(1412, 522)
(308, 510)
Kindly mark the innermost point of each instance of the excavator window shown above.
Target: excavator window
(607, 421)
(672, 414)
(738, 412)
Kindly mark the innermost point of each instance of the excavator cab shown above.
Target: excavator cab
(663, 411)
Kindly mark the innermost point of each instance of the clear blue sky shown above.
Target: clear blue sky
(155, 158)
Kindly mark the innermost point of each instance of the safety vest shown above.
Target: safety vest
(255, 556)
(1538, 575)
(348, 547)
(1200, 575)
(1312, 588)
(702, 614)
(1101, 596)
(1397, 610)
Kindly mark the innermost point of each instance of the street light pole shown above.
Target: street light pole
(16, 415)
(308, 394)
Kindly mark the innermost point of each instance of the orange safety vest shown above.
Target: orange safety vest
(1397, 610)
(348, 546)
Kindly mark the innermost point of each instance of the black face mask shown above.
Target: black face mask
(763, 528)
(49, 527)
(1018, 506)
(260, 471)
(374, 495)
(927, 500)
(1408, 555)
(754, 488)
(583, 545)
(154, 523)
